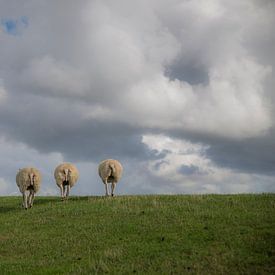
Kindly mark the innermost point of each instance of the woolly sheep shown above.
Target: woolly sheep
(28, 180)
(110, 171)
(66, 175)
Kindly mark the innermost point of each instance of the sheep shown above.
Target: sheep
(28, 180)
(66, 175)
(110, 171)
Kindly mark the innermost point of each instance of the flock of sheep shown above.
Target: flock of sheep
(66, 175)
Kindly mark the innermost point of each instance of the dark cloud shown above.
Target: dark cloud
(54, 126)
(254, 155)
(249, 156)
(189, 170)
(190, 71)
(158, 165)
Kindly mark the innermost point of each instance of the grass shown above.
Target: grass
(194, 234)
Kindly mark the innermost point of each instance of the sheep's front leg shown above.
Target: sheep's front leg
(106, 188)
(113, 188)
(68, 190)
(25, 200)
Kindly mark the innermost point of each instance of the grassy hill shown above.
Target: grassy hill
(194, 234)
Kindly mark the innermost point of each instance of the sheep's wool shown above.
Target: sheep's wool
(59, 174)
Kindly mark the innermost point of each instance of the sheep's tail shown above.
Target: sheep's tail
(112, 167)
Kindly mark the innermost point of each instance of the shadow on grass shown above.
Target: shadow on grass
(17, 206)
(6, 209)
(46, 200)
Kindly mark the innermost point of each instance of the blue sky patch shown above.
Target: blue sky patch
(14, 26)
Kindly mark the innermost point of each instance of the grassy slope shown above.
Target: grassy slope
(139, 234)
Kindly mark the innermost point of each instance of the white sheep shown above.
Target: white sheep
(110, 171)
(28, 180)
(66, 175)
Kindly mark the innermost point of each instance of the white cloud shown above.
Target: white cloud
(119, 65)
(233, 105)
(180, 152)
(187, 169)
(54, 77)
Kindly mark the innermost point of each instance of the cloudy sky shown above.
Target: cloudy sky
(180, 91)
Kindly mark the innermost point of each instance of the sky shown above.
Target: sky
(181, 92)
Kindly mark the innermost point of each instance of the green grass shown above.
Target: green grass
(194, 234)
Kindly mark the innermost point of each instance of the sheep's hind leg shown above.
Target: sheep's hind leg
(106, 188)
(64, 189)
(31, 198)
(61, 191)
(68, 191)
(25, 200)
(113, 188)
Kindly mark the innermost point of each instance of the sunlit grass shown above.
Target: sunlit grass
(205, 234)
